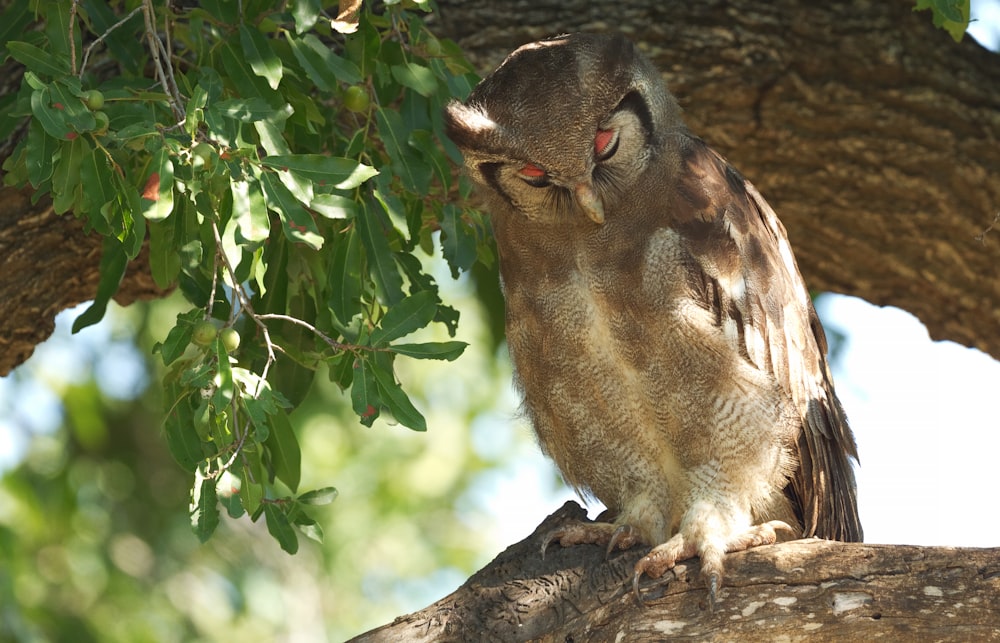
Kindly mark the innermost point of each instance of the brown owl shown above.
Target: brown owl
(669, 356)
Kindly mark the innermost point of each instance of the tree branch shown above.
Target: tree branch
(872, 134)
(811, 590)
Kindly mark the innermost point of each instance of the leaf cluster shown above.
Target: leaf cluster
(285, 168)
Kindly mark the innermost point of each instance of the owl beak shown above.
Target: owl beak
(590, 202)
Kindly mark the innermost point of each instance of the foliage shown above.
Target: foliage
(95, 544)
(283, 169)
(950, 15)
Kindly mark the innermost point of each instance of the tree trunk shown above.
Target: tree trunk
(806, 590)
(873, 135)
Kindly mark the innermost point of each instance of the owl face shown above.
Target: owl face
(563, 128)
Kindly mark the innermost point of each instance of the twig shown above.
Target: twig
(100, 39)
(72, 40)
(332, 343)
(156, 50)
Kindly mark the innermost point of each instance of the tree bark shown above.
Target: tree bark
(873, 135)
(806, 590)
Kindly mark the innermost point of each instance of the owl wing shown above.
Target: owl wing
(742, 269)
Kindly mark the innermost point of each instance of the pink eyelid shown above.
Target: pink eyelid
(602, 140)
(532, 171)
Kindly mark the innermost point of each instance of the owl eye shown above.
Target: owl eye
(605, 144)
(533, 175)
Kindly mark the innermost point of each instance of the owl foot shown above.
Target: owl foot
(592, 533)
(663, 558)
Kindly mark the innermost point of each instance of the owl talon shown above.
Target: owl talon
(713, 591)
(583, 533)
(623, 538)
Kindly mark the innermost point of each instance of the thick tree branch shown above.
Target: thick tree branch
(807, 590)
(873, 135)
(48, 263)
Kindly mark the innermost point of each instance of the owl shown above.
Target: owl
(666, 348)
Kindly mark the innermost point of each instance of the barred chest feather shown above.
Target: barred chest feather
(633, 388)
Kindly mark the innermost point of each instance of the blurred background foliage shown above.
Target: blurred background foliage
(95, 538)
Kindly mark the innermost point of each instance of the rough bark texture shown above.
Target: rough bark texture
(807, 590)
(47, 264)
(872, 134)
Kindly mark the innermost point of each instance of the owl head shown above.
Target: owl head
(564, 127)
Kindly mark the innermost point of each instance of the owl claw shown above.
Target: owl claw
(622, 538)
(592, 533)
(713, 591)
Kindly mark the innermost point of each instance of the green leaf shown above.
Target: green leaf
(16, 16)
(412, 169)
(248, 85)
(179, 336)
(364, 45)
(250, 210)
(297, 224)
(67, 191)
(77, 115)
(286, 455)
(182, 438)
(323, 496)
(158, 195)
(51, 118)
(417, 77)
(251, 110)
(341, 173)
(431, 350)
(397, 401)
(323, 67)
(345, 277)
(204, 508)
(310, 528)
(251, 493)
(334, 206)
(950, 15)
(95, 174)
(164, 261)
(279, 527)
(380, 264)
(40, 151)
(264, 62)
(458, 241)
(38, 60)
(305, 13)
(423, 142)
(364, 393)
(113, 263)
(412, 313)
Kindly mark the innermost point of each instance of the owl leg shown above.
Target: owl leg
(592, 533)
(711, 551)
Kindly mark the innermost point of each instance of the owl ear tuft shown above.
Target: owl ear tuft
(467, 126)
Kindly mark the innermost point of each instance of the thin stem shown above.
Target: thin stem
(100, 39)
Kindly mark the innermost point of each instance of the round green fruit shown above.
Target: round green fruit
(204, 333)
(230, 339)
(94, 99)
(102, 123)
(356, 99)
